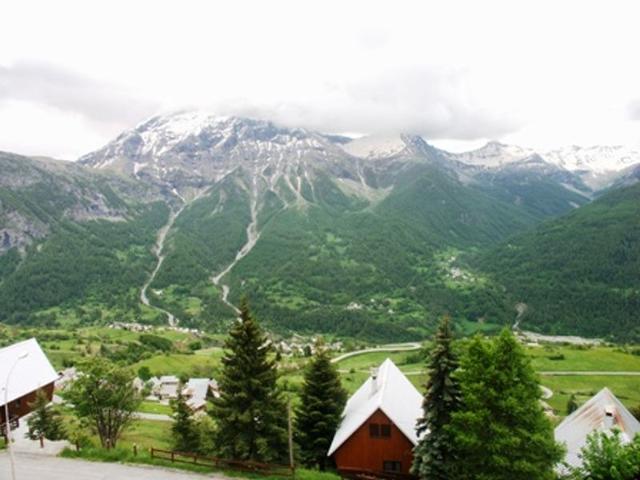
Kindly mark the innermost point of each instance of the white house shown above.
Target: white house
(603, 412)
(197, 390)
(168, 388)
(24, 369)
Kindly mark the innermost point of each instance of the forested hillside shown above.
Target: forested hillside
(579, 273)
(187, 213)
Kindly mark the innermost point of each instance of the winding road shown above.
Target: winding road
(396, 347)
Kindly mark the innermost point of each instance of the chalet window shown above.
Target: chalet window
(377, 430)
(392, 466)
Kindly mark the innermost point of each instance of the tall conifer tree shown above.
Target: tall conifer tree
(502, 430)
(250, 413)
(436, 455)
(321, 403)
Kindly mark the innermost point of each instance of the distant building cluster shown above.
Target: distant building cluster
(301, 346)
(140, 327)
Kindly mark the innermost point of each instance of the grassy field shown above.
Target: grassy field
(145, 434)
(627, 389)
(204, 364)
(571, 358)
(154, 407)
(355, 371)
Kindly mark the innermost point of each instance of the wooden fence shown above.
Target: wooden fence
(220, 463)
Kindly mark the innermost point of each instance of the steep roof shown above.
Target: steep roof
(602, 412)
(197, 388)
(31, 372)
(392, 393)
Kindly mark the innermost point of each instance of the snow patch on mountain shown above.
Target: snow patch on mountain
(494, 155)
(598, 159)
(375, 146)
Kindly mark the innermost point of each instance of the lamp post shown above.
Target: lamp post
(22, 356)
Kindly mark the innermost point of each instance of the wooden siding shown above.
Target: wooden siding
(362, 452)
(20, 407)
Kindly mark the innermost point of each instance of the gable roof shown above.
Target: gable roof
(30, 373)
(392, 393)
(592, 416)
(197, 388)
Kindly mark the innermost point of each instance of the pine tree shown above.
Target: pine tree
(436, 455)
(320, 412)
(250, 413)
(183, 430)
(502, 430)
(45, 421)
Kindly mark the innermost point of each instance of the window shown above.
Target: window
(377, 430)
(392, 466)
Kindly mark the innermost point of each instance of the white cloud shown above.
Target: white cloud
(540, 73)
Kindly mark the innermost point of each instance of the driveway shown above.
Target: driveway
(39, 467)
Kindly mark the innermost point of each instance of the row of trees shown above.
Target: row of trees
(251, 416)
(483, 419)
(482, 413)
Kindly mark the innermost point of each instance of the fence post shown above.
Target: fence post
(290, 435)
(135, 450)
(172, 456)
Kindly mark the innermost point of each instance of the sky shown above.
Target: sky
(543, 74)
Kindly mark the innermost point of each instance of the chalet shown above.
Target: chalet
(198, 390)
(603, 412)
(24, 369)
(378, 429)
(168, 389)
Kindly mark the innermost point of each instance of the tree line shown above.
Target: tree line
(482, 416)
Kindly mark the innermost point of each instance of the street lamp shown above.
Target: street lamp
(22, 356)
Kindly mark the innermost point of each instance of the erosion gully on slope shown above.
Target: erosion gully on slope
(158, 251)
(252, 237)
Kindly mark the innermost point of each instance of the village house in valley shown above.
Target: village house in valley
(24, 369)
(378, 430)
(603, 412)
(198, 390)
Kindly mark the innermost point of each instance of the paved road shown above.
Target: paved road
(592, 373)
(560, 373)
(37, 467)
(153, 416)
(400, 347)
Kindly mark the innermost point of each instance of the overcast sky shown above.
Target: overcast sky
(541, 74)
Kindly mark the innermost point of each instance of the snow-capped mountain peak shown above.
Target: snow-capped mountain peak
(598, 159)
(376, 147)
(495, 154)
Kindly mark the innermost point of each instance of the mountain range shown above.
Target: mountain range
(374, 237)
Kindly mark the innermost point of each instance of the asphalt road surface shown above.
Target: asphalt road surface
(40, 467)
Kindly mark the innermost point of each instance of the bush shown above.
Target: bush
(556, 357)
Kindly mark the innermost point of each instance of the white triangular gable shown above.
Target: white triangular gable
(602, 412)
(392, 393)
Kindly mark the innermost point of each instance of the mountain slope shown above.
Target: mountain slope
(70, 237)
(579, 273)
(188, 212)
